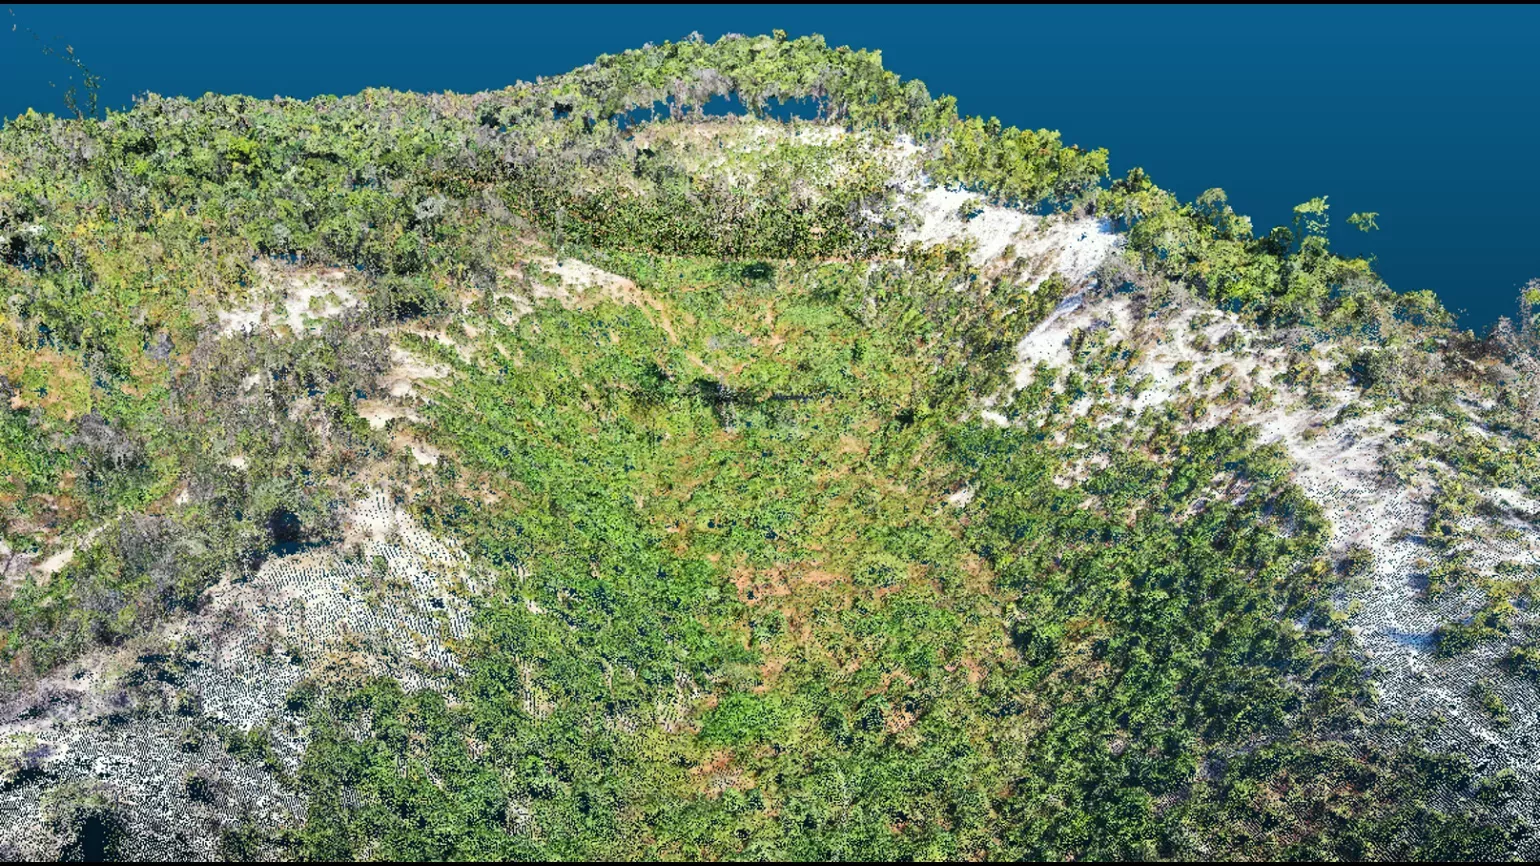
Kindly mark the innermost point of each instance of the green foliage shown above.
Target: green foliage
(1310, 218)
(1492, 703)
(86, 819)
(1364, 221)
(1030, 681)
(1015, 166)
(1458, 637)
(729, 610)
(1288, 276)
(740, 720)
(1525, 661)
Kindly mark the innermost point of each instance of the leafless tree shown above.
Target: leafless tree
(106, 447)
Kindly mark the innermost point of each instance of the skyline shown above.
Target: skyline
(1403, 113)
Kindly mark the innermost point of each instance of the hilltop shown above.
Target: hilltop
(566, 472)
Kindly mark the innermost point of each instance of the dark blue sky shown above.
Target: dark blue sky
(1428, 115)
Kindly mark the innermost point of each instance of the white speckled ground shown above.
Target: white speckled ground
(1339, 467)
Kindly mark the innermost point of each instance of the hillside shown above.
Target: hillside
(567, 472)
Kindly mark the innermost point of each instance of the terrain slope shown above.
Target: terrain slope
(578, 471)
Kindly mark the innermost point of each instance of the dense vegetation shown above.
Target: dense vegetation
(887, 677)
(734, 613)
